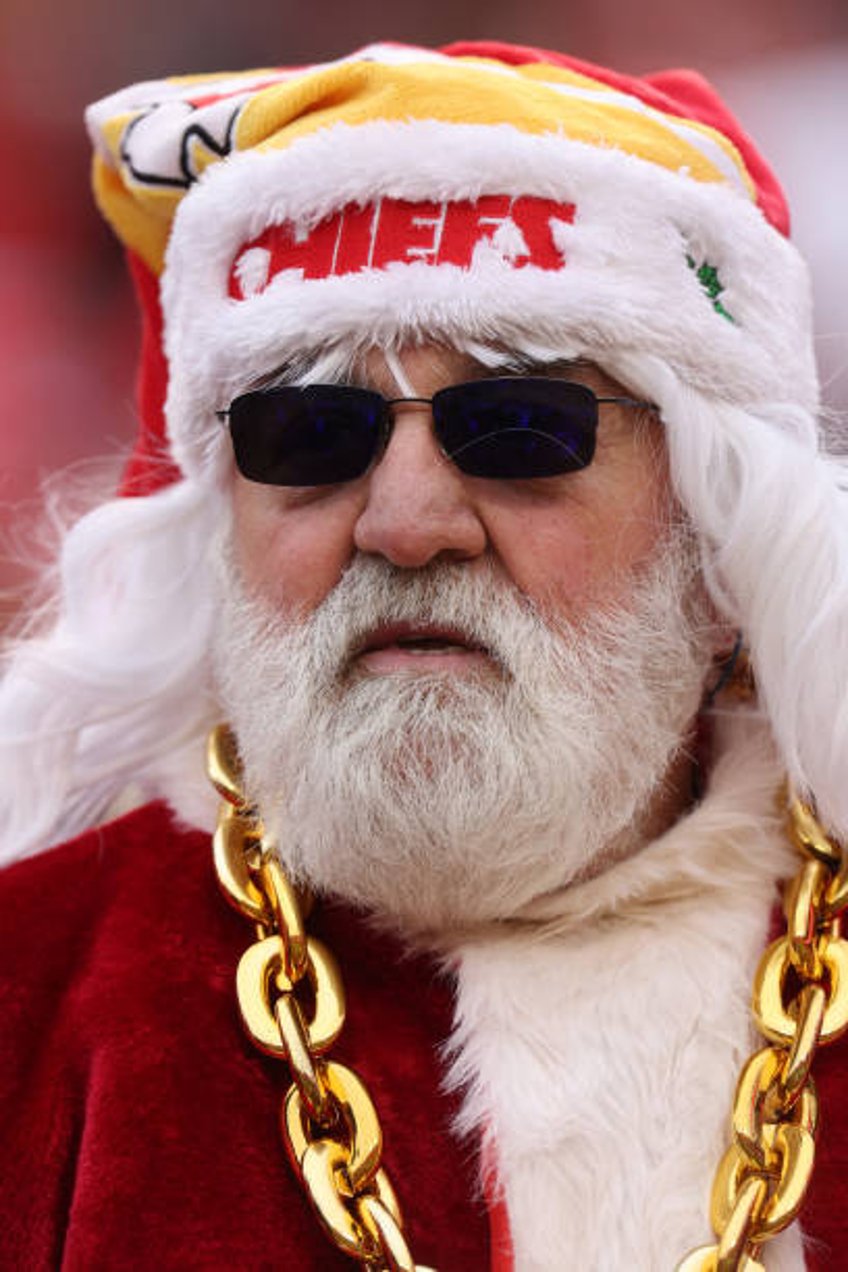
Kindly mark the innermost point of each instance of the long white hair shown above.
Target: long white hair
(119, 690)
(119, 685)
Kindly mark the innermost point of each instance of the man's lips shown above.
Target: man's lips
(419, 647)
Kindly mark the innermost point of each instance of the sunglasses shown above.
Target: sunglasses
(506, 428)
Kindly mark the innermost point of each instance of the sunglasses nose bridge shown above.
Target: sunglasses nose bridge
(407, 403)
(391, 408)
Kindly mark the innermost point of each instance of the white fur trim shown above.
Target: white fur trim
(626, 286)
(600, 1054)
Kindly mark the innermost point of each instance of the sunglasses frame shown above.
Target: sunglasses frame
(386, 421)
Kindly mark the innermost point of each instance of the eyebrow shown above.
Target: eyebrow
(518, 364)
(318, 367)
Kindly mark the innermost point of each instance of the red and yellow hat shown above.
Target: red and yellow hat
(479, 194)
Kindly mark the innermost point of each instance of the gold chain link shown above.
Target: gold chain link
(329, 1124)
(800, 1002)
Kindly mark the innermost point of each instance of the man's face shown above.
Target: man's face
(455, 695)
(567, 543)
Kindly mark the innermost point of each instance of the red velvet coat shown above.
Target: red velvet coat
(139, 1126)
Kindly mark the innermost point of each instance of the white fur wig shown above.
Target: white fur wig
(484, 197)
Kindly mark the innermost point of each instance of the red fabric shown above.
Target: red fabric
(824, 1216)
(150, 466)
(682, 93)
(503, 1255)
(138, 1124)
(376, 235)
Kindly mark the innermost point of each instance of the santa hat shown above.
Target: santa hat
(484, 194)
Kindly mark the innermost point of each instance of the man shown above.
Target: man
(479, 420)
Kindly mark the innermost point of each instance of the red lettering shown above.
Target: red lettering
(467, 223)
(407, 232)
(396, 230)
(533, 217)
(312, 254)
(358, 226)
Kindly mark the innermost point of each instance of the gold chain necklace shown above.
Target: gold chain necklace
(330, 1126)
(800, 1001)
(329, 1123)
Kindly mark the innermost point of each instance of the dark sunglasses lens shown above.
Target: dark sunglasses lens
(515, 428)
(314, 436)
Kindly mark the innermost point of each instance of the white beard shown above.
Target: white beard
(442, 801)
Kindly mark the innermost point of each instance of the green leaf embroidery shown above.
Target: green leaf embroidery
(713, 287)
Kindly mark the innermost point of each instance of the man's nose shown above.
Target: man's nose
(419, 506)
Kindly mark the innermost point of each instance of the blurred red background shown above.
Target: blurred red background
(67, 324)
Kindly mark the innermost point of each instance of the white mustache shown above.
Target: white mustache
(477, 605)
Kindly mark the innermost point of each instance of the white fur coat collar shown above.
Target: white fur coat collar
(599, 1047)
